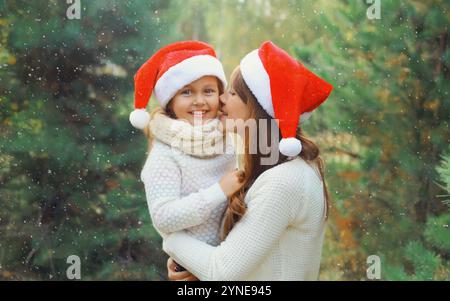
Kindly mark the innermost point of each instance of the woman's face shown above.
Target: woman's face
(197, 102)
(232, 108)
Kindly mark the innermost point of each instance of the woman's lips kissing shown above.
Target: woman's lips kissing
(223, 114)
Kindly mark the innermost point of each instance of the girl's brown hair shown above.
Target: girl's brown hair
(252, 162)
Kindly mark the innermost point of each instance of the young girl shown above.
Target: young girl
(187, 176)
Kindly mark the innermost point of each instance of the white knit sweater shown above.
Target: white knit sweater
(279, 237)
(182, 190)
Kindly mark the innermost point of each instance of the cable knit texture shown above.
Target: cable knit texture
(200, 140)
(182, 190)
(279, 237)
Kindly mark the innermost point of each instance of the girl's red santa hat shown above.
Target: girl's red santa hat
(170, 69)
(286, 89)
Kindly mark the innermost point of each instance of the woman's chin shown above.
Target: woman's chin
(223, 117)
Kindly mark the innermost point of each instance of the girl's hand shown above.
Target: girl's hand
(178, 276)
(232, 182)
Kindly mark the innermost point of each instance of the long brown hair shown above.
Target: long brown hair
(252, 161)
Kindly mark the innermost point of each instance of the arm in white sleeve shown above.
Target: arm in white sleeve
(272, 208)
(169, 211)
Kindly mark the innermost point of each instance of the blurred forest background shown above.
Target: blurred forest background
(70, 160)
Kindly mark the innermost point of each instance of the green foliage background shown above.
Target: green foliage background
(70, 161)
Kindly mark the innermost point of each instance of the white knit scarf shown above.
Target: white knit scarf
(204, 140)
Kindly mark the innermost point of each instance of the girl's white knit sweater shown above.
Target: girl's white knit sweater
(182, 190)
(279, 237)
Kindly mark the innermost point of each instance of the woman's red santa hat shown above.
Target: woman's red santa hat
(170, 69)
(286, 89)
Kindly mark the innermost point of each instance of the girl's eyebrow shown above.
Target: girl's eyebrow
(210, 86)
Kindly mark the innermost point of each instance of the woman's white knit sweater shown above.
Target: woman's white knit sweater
(182, 190)
(279, 237)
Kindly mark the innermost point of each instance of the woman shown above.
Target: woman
(274, 225)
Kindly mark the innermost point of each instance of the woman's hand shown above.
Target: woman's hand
(178, 276)
(232, 182)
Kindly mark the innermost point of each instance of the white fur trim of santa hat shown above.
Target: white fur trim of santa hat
(184, 73)
(257, 80)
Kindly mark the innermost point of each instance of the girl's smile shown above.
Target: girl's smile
(199, 113)
(198, 101)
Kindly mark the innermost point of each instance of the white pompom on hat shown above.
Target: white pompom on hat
(170, 69)
(139, 118)
(286, 90)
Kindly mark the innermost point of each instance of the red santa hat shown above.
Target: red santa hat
(170, 69)
(285, 88)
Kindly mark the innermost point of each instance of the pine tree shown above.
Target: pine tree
(389, 118)
(429, 259)
(69, 159)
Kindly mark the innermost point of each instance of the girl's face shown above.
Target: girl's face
(233, 108)
(197, 102)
